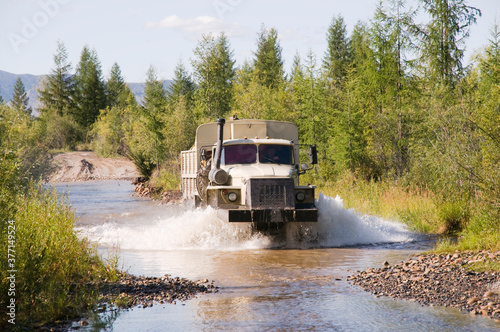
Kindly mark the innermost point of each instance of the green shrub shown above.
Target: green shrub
(453, 217)
(169, 178)
(57, 273)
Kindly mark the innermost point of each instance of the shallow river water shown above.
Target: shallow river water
(296, 283)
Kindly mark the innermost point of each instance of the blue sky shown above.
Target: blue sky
(137, 34)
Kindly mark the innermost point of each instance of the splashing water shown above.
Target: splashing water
(183, 227)
(340, 227)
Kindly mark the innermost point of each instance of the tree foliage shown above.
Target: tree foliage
(57, 89)
(117, 90)
(214, 73)
(268, 62)
(90, 94)
(338, 56)
(20, 98)
(443, 37)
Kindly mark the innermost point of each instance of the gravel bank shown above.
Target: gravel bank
(438, 279)
(131, 291)
(86, 166)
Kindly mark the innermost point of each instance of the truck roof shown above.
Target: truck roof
(206, 134)
(258, 141)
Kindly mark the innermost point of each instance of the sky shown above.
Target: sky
(139, 33)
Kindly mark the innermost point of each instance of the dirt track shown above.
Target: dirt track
(85, 166)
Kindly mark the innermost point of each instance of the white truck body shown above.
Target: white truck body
(255, 175)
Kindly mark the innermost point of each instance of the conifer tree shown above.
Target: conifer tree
(182, 85)
(444, 36)
(268, 62)
(57, 88)
(20, 99)
(214, 73)
(337, 57)
(89, 95)
(154, 110)
(116, 89)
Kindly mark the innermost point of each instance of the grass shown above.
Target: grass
(58, 274)
(168, 179)
(415, 207)
(476, 225)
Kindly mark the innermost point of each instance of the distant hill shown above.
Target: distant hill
(32, 82)
(8, 80)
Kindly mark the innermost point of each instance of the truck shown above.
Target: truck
(249, 171)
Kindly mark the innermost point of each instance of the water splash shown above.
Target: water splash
(338, 226)
(174, 228)
(186, 228)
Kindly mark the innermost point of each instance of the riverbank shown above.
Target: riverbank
(87, 165)
(461, 280)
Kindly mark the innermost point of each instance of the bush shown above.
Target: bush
(57, 273)
(453, 217)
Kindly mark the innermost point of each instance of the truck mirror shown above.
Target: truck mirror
(303, 167)
(313, 155)
(203, 154)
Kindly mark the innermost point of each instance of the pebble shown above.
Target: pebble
(416, 279)
(132, 291)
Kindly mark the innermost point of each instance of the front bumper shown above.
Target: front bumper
(268, 215)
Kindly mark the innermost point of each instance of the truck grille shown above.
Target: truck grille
(270, 193)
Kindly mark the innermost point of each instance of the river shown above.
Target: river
(296, 283)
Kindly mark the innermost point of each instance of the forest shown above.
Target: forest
(388, 105)
(403, 129)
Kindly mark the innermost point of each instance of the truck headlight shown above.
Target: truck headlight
(300, 196)
(232, 197)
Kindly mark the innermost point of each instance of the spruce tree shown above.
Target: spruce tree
(57, 88)
(154, 111)
(337, 57)
(116, 89)
(182, 85)
(268, 62)
(20, 99)
(214, 73)
(89, 95)
(443, 38)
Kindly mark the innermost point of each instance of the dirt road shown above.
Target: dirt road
(86, 165)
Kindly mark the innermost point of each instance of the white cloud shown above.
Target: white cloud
(200, 24)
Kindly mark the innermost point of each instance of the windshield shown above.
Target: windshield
(239, 154)
(247, 154)
(275, 154)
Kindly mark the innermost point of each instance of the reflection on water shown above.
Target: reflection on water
(296, 284)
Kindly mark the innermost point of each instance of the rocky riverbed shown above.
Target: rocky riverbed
(131, 291)
(439, 280)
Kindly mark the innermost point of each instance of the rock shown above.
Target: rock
(489, 294)
(441, 280)
(472, 300)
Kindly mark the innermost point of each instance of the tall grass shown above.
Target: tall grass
(58, 274)
(413, 206)
(475, 225)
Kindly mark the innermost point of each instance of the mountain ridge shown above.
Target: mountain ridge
(32, 82)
